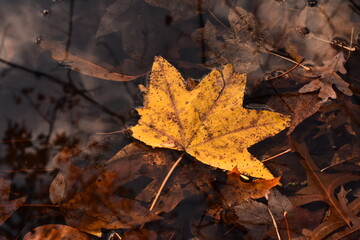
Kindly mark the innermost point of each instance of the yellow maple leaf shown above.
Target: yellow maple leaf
(208, 122)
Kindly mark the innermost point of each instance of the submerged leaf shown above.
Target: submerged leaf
(236, 191)
(321, 186)
(55, 232)
(208, 122)
(7, 207)
(238, 45)
(328, 77)
(82, 66)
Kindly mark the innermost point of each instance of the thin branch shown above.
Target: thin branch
(65, 85)
(164, 182)
(287, 225)
(352, 49)
(291, 69)
(277, 155)
(275, 224)
(288, 59)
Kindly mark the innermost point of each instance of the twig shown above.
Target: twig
(277, 155)
(352, 49)
(288, 59)
(108, 133)
(291, 69)
(287, 225)
(275, 224)
(164, 182)
(213, 15)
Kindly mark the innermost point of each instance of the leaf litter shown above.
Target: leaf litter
(112, 197)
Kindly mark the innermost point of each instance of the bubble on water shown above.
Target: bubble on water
(45, 12)
(38, 40)
(312, 3)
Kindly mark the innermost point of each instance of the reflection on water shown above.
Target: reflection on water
(45, 107)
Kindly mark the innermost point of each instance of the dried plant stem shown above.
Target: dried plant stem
(352, 49)
(288, 59)
(287, 225)
(291, 69)
(213, 15)
(108, 133)
(277, 155)
(275, 224)
(164, 182)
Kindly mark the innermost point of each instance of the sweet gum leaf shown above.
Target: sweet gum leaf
(208, 122)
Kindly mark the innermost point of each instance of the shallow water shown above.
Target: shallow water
(45, 106)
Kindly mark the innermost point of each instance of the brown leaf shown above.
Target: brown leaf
(182, 10)
(141, 234)
(223, 45)
(305, 107)
(91, 210)
(347, 153)
(278, 204)
(321, 186)
(328, 77)
(88, 200)
(333, 223)
(236, 191)
(7, 207)
(55, 232)
(75, 63)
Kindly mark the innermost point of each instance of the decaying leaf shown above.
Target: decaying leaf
(321, 186)
(90, 211)
(335, 226)
(80, 65)
(306, 106)
(237, 45)
(55, 232)
(236, 191)
(328, 77)
(87, 198)
(182, 9)
(7, 207)
(208, 122)
(255, 217)
(154, 164)
(141, 29)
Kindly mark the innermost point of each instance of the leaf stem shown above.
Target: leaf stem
(164, 182)
(291, 69)
(267, 159)
(288, 59)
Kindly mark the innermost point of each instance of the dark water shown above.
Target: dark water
(45, 106)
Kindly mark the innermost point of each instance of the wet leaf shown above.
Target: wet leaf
(55, 232)
(236, 191)
(182, 10)
(321, 186)
(90, 211)
(154, 164)
(7, 207)
(208, 122)
(333, 223)
(141, 30)
(328, 77)
(75, 63)
(237, 45)
(87, 194)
